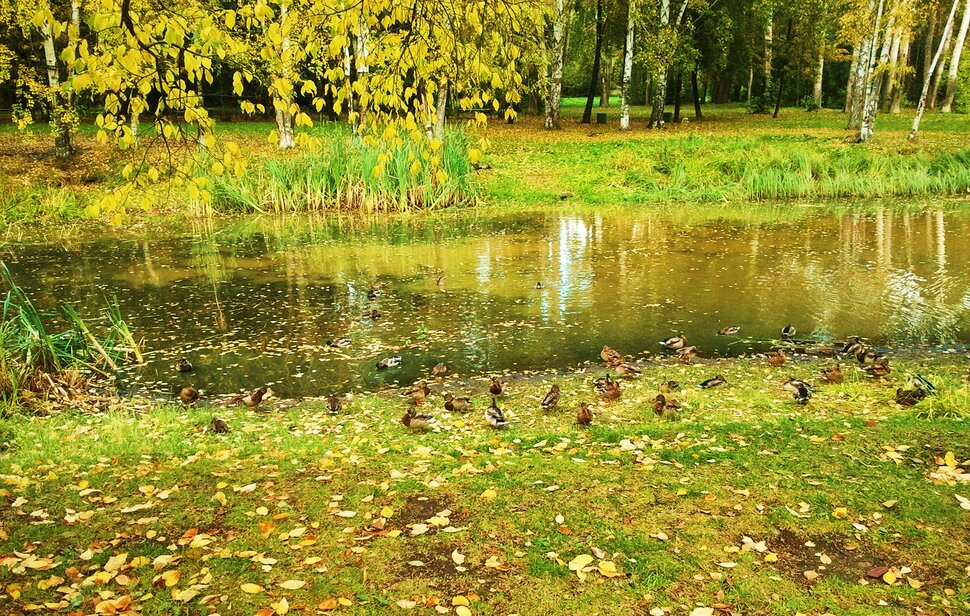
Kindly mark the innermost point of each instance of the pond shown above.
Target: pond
(255, 303)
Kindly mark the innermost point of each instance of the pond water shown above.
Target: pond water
(255, 303)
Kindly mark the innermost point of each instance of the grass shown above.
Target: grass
(728, 157)
(371, 517)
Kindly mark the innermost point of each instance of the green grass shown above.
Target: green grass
(740, 461)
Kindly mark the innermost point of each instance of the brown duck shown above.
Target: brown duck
(497, 387)
(418, 392)
(584, 416)
(665, 407)
(687, 354)
(219, 426)
(415, 422)
(456, 405)
(252, 399)
(833, 374)
(608, 388)
(667, 386)
(188, 395)
(610, 357)
(551, 399)
(777, 358)
(879, 369)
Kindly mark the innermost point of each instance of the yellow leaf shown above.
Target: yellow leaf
(251, 589)
(889, 577)
(581, 561)
(281, 607)
(459, 600)
(293, 584)
(387, 512)
(463, 610)
(950, 459)
(219, 497)
(840, 512)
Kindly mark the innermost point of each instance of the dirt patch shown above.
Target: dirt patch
(420, 508)
(849, 559)
(444, 577)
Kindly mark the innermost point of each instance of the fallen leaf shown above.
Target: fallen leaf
(581, 561)
(293, 584)
(251, 589)
(458, 557)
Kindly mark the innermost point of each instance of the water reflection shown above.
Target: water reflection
(255, 303)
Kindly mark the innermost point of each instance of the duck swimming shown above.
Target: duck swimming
(339, 343)
(389, 362)
(730, 330)
(674, 343)
(188, 395)
(184, 366)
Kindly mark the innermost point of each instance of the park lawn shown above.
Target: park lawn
(745, 503)
(729, 157)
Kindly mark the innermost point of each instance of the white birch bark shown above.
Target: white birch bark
(817, 90)
(951, 82)
(558, 60)
(627, 67)
(926, 81)
(282, 104)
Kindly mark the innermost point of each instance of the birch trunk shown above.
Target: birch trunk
(850, 86)
(606, 81)
(817, 90)
(951, 82)
(282, 103)
(660, 76)
(928, 45)
(938, 72)
(750, 82)
(867, 129)
(926, 81)
(441, 109)
(558, 59)
(901, 76)
(627, 67)
(889, 81)
(60, 108)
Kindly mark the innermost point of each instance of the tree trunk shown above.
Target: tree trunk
(901, 73)
(606, 80)
(817, 89)
(441, 109)
(928, 44)
(660, 75)
(766, 82)
(594, 80)
(892, 73)
(926, 80)
(694, 93)
(951, 82)
(867, 129)
(558, 59)
(627, 67)
(850, 86)
(938, 73)
(750, 82)
(678, 88)
(282, 102)
(781, 69)
(60, 108)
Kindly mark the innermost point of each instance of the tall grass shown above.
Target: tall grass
(349, 175)
(32, 357)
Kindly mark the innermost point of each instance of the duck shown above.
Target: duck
(730, 330)
(440, 281)
(389, 362)
(373, 294)
(674, 343)
(788, 331)
(219, 426)
(711, 383)
(915, 391)
(668, 386)
(854, 346)
(415, 422)
(800, 390)
(687, 354)
(494, 416)
(626, 370)
(610, 357)
(608, 388)
(188, 395)
(254, 398)
(339, 343)
(777, 358)
(496, 387)
(833, 374)
(551, 399)
(184, 366)
(664, 406)
(584, 416)
(539, 285)
(418, 392)
(439, 369)
(335, 404)
(879, 369)
(375, 314)
(456, 405)
(869, 356)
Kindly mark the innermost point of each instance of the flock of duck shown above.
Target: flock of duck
(665, 405)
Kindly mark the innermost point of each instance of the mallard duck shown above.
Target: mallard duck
(730, 330)
(626, 370)
(833, 374)
(854, 346)
(674, 343)
(389, 362)
(869, 356)
(418, 392)
(494, 416)
(457, 405)
(188, 395)
(219, 426)
(608, 388)
(373, 294)
(910, 397)
(496, 387)
(610, 357)
(253, 398)
(339, 343)
(800, 390)
(879, 369)
(788, 331)
(667, 386)
(777, 358)
(551, 399)
(687, 354)
(539, 285)
(440, 281)
(439, 369)
(415, 422)
(335, 404)
(664, 406)
(185, 365)
(711, 383)
(584, 416)
(375, 314)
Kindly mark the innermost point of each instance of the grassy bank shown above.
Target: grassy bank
(728, 156)
(296, 510)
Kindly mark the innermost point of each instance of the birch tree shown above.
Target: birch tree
(951, 82)
(921, 107)
(627, 67)
(560, 25)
